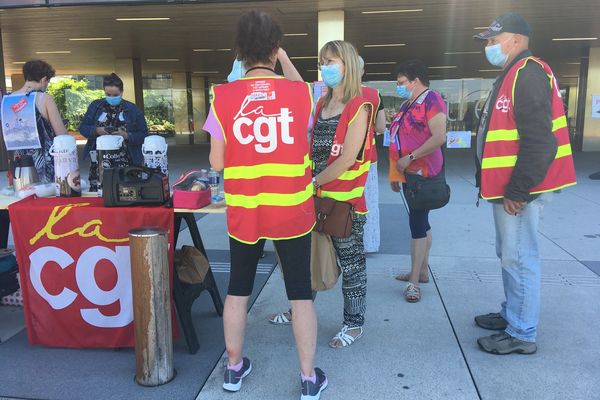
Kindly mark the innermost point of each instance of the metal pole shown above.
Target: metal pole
(151, 306)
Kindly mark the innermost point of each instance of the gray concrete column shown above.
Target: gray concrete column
(130, 71)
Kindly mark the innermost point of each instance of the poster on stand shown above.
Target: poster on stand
(19, 126)
(458, 140)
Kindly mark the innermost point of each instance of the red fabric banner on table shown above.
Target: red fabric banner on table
(75, 270)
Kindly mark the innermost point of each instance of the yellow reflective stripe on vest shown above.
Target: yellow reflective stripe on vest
(498, 162)
(502, 135)
(269, 199)
(260, 170)
(559, 123)
(343, 196)
(510, 161)
(563, 151)
(350, 175)
(499, 135)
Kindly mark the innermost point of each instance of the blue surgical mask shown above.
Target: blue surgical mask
(331, 75)
(495, 55)
(113, 100)
(237, 71)
(403, 92)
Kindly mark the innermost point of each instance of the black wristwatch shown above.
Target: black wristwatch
(411, 157)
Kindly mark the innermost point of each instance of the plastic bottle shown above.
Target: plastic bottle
(213, 181)
(204, 177)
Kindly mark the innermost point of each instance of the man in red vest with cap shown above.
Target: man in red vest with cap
(524, 156)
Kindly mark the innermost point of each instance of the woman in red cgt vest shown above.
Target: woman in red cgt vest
(258, 126)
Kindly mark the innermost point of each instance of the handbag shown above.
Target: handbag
(425, 193)
(191, 265)
(333, 217)
(429, 193)
(324, 270)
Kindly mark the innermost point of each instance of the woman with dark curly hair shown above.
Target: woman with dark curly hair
(37, 74)
(258, 126)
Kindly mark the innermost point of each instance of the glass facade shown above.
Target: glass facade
(159, 107)
(464, 98)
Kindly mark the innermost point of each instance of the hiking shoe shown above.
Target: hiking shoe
(503, 343)
(492, 321)
(233, 379)
(312, 391)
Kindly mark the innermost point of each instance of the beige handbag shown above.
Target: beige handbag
(324, 270)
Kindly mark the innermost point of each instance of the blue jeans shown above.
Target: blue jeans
(517, 248)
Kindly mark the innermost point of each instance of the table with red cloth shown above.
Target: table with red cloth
(74, 267)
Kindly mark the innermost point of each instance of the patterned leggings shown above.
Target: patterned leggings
(353, 263)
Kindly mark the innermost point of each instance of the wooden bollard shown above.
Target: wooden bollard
(151, 306)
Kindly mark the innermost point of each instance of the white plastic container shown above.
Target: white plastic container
(66, 166)
(109, 142)
(110, 154)
(154, 150)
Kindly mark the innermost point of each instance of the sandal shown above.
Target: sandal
(283, 318)
(344, 338)
(406, 277)
(412, 293)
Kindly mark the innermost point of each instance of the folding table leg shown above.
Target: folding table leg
(184, 298)
(210, 283)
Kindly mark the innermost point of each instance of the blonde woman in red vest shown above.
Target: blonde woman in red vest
(341, 149)
(524, 155)
(341, 145)
(258, 127)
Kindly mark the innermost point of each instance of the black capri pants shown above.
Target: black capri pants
(295, 261)
(418, 220)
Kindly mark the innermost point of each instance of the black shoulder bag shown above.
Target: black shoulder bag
(425, 193)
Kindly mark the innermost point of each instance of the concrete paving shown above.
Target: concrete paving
(428, 350)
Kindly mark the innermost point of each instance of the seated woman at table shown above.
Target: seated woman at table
(113, 115)
(37, 74)
(258, 126)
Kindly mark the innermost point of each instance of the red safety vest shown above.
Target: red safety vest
(501, 146)
(372, 96)
(350, 186)
(267, 176)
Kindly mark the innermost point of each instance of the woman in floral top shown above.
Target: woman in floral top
(419, 131)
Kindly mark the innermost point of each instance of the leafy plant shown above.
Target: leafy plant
(73, 98)
(158, 112)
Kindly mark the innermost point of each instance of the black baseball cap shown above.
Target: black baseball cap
(510, 22)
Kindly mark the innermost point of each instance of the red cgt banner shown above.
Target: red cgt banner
(75, 271)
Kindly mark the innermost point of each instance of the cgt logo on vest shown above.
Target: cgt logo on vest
(253, 124)
(336, 149)
(503, 104)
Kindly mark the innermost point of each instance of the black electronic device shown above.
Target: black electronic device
(134, 185)
(110, 129)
